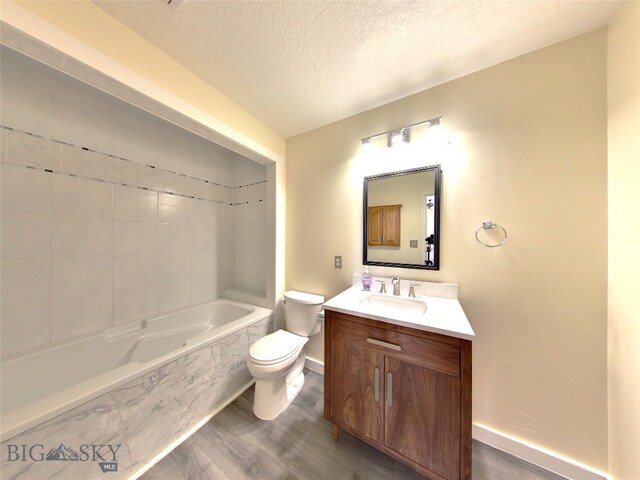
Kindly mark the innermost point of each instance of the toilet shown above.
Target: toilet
(276, 361)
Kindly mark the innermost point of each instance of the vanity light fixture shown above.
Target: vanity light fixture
(366, 145)
(400, 135)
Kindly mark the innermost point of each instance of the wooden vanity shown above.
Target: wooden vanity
(403, 390)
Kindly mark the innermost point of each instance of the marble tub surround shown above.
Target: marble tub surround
(144, 416)
(90, 366)
(443, 315)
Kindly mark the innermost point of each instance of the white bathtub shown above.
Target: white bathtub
(44, 384)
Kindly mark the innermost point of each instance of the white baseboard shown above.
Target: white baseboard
(315, 365)
(534, 454)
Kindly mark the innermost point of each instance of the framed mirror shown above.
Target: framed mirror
(402, 219)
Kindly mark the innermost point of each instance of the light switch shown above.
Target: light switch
(413, 243)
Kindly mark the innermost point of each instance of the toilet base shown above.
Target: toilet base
(272, 397)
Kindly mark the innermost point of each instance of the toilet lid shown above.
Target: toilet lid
(303, 297)
(274, 348)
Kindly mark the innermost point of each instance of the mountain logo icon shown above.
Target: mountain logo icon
(62, 453)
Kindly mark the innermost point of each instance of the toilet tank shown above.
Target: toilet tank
(301, 311)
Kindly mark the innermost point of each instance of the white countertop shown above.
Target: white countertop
(443, 315)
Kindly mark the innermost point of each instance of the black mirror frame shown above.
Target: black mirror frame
(436, 229)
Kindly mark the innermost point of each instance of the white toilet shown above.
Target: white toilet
(276, 361)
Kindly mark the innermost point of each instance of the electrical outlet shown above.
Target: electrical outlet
(337, 261)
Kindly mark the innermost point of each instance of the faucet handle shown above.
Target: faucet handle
(412, 292)
(383, 288)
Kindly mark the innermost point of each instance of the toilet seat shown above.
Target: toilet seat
(275, 348)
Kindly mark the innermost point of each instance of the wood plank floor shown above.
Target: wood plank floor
(297, 445)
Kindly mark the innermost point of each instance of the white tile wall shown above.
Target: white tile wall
(149, 177)
(79, 197)
(80, 314)
(135, 237)
(250, 249)
(172, 265)
(30, 106)
(174, 209)
(93, 239)
(174, 294)
(76, 236)
(25, 326)
(26, 149)
(120, 171)
(130, 270)
(25, 280)
(83, 163)
(202, 286)
(24, 190)
(81, 275)
(135, 302)
(25, 235)
(204, 238)
(205, 264)
(174, 238)
(135, 204)
(80, 126)
(205, 213)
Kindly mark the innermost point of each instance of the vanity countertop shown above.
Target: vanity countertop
(443, 315)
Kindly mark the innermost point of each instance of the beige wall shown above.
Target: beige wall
(624, 232)
(530, 153)
(95, 28)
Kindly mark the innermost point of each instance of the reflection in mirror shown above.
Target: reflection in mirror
(401, 219)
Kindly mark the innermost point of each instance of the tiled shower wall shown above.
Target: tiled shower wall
(109, 214)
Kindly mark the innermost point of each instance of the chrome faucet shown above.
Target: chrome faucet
(382, 286)
(395, 281)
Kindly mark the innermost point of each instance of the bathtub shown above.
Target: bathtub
(97, 390)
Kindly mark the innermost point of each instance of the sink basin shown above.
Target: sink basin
(392, 306)
(444, 314)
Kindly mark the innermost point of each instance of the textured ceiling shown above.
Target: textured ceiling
(298, 65)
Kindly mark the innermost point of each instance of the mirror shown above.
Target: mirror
(401, 219)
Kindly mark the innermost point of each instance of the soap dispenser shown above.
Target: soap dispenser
(366, 279)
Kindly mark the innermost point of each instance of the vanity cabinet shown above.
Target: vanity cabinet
(404, 391)
(383, 224)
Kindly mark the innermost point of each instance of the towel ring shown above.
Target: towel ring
(488, 225)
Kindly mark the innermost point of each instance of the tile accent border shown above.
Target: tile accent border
(85, 163)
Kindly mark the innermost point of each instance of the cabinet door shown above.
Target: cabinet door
(391, 225)
(383, 225)
(422, 416)
(374, 226)
(357, 388)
